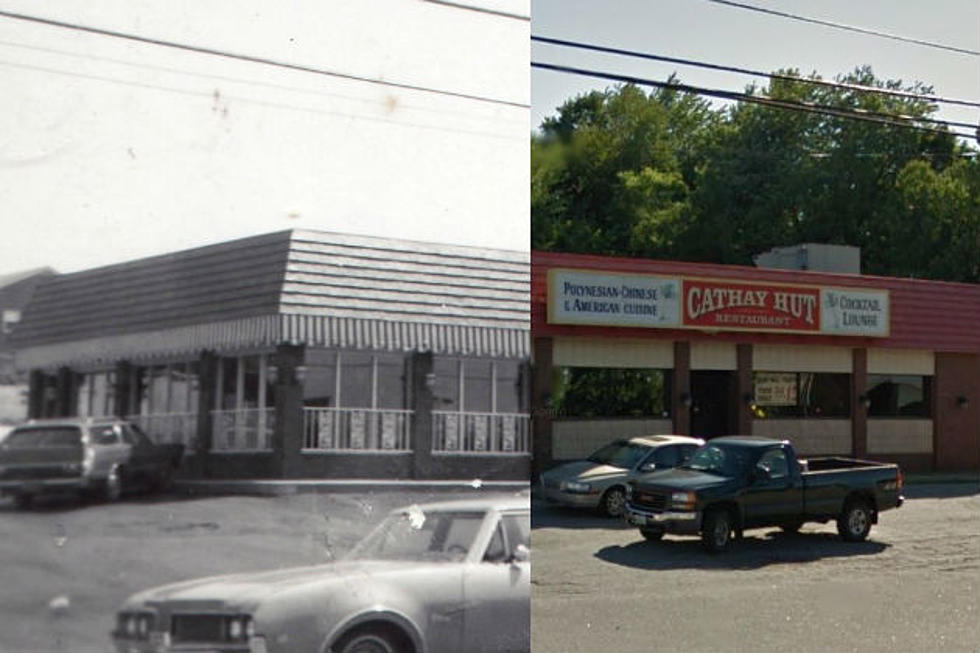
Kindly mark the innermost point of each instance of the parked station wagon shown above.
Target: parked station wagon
(440, 577)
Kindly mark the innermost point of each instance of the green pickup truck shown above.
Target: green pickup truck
(735, 483)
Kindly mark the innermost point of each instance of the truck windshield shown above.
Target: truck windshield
(723, 460)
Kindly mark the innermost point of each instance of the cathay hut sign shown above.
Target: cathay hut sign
(607, 299)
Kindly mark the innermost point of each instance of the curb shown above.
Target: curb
(277, 487)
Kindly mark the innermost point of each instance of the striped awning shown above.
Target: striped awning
(270, 330)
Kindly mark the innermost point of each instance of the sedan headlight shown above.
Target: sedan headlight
(575, 486)
(683, 500)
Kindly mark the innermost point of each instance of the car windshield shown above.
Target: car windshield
(415, 535)
(620, 454)
(724, 460)
(53, 436)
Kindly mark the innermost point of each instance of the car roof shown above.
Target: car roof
(502, 502)
(747, 440)
(661, 440)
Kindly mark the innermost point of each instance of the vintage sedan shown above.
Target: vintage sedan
(599, 481)
(440, 577)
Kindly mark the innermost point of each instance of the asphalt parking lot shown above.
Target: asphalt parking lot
(66, 566)
(913, 586)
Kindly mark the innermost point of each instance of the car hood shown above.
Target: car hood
(245, 591)
(680, 479)
(585, 471)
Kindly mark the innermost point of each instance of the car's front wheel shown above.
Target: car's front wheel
(371, 640)
(613, 502)
(716, 532)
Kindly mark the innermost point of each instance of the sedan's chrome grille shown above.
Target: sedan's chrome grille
(208, 628)
(653, 501)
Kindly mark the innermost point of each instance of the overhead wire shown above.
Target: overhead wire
(883, 119)
(850, 28)
(255, 59)
(754, 73)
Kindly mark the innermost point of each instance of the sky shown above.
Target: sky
(721, 34)
(112, 150)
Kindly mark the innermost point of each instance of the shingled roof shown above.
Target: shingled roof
(318, 288)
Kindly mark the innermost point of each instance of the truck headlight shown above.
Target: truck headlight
(575, 486)
(683, 500)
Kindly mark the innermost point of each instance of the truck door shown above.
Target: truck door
(775, 495)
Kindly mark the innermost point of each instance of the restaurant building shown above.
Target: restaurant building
(847, 364)
(298, 354)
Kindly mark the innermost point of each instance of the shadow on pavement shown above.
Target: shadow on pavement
(941, 490)
(549, 515)
(751, 552)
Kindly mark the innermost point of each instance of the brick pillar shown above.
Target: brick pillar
(64, 381)
(124, 377)
(859, 415)
(743, 387)
(207, 375)
(35, 395)
(681, 386)
(423, 403)
(287, 439)
(541, 406)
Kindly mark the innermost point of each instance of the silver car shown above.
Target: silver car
(599, 481)
(440, 577)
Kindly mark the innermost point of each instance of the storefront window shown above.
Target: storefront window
(510, 387)
(355, 380)
(594, 392)
(801, 394)
(894, 395)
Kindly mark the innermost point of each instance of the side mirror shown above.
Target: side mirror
(761, 474)
(521, 553)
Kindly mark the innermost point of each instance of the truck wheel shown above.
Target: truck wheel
(613, 502)
(854, 523)
(716, 531)
(652, 534)
(112, 485)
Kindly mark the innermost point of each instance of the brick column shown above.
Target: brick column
(124, 377)
(743, 387)
(423, 402)
(681, 386)
(35, 394)
(287, 439)
(859, 416)
(541, 406)
(206, 378)
(65, 381)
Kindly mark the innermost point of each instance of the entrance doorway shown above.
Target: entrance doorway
(712, 403)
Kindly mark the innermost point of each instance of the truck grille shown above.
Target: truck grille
(654, 501)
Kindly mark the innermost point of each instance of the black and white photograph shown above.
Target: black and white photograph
(266, 343)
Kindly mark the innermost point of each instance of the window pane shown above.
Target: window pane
(611, 392)
(509, 387)
(894, 395)
(392, 374)
(815, 394)
(446, 389)
(477, 386)
(319, 387)
(355, 379)
(229, 380)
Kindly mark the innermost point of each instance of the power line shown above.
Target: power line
(883, 119)
(223, 78)
(747, 71)
(262, 103)
(850, 28)
(255, 59)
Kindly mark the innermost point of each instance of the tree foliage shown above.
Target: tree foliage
(665, 175)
